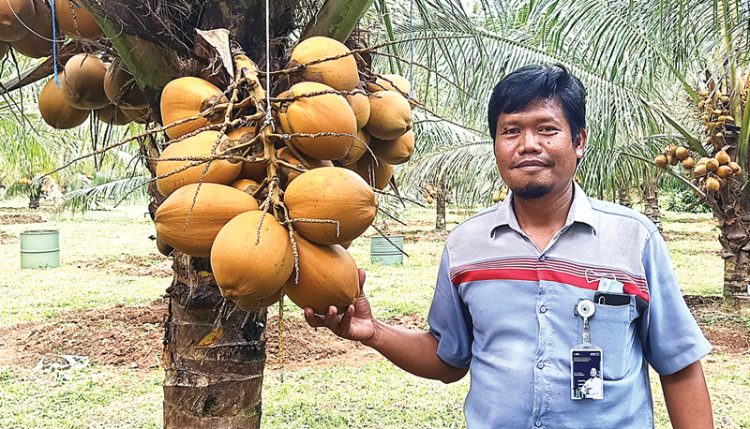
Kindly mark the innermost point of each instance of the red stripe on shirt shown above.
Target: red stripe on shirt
(536, 275)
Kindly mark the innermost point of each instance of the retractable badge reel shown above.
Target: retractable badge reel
(586, 359)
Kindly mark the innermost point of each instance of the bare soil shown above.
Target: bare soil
(7, 238)
(131, 337)
(20, 218)
(132, 265)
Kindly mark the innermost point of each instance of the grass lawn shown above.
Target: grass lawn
(108, 261)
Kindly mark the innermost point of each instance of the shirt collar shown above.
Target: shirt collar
(580, 211)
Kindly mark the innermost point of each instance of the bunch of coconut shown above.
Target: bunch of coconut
(89, 84)
(710, 173)
(26, 25)
(341, 139)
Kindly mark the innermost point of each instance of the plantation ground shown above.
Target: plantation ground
(105, 303)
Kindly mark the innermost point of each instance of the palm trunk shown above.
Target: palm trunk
(623, 197)
(440, 208)
(735, 241)
(650, 190)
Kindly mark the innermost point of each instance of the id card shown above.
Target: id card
(586, 373)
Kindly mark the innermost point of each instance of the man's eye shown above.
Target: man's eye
(549, 130)
(510, 131)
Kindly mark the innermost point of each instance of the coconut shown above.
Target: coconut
(249, 265)
(185, 97)
(111, 114)
(390, 82)
(688, 163)
(247, 186)
(360, 105)
(712, 184)
(254, 170)
(327, 276)
(121, 88)
(199, 146)
(76, 21)
(290, 174)
(681, 153)
(55, 109)
(724, 171)
(36, 43)
(390, 115)
(700, 170)
(318, 114)
(214, 206)
(723, 157)
(15, 15)
(140, 116)
(376, 173)
(248, 303)
(331, 193)
(359, 148)
(396, 151)
(712, 164)
(82, 82)
(340, 74)
(736, 169)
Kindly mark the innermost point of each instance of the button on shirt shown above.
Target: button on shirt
(505, 310)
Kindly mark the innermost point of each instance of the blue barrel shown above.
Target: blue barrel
(384, 253)
(40, 248)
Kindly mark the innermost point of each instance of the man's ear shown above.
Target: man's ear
(580, 143)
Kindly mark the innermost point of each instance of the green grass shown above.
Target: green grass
(374, 394)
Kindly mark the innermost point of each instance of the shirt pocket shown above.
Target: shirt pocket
(612, 329)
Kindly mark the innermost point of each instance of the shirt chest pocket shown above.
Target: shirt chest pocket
(613, 329)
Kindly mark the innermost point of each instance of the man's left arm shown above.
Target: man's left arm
(686, 395)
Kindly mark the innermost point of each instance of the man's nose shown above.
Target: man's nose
(530, 142)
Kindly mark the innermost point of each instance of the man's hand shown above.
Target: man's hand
(355, 324)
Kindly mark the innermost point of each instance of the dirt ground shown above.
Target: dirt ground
(18, 218)
(131, 337)
(146, 266)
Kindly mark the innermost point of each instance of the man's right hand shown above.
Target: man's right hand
(355, 324)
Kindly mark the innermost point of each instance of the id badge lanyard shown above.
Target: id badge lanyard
(586, 360)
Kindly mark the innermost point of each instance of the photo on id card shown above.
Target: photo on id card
(586, 373)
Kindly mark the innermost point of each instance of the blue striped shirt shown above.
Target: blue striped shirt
(505, 310)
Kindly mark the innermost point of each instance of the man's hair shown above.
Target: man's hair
(537, 82)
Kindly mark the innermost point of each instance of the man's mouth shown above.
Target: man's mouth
(532, 165)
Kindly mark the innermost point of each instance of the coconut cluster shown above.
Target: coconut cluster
(88, 85)
(710, 174)
(26, 25)
(273, 198)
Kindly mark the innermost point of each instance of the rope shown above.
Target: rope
(411, 48)
(269, 119)
(54, 44)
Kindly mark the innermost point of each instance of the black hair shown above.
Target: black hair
(537, 82)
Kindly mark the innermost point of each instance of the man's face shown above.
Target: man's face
(534, 149)
(592, 372)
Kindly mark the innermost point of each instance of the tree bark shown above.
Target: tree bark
(440, 197)
(650, 190)
(623, 197)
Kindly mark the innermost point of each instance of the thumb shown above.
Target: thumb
(362, 276)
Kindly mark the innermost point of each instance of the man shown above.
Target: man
(546, 280)
(593, 387)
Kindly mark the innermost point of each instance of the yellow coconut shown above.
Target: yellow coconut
(36, 43)
(712, 184)
(390, 115)
(15, 16)
(214, 206)
(360, 105)
(700, 170)
(76, 21)
(248, 303)
(334, 194)
(327, 276)
(289, 174)
(340, 73)
(712, 164)
(198, 146)
(376, 173)
(83, 80)
(185, 97)
(724, 171)
(318, 114)
(247, 186)
(250, 266)
(121, 88)
(723, 157)
(250, 170)
(688, 163)
(681, 153)
(55, 109)
(390, 82)
(140, 116)
(736, 169)
(111, 114)
(359, 148)
(396, 151)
